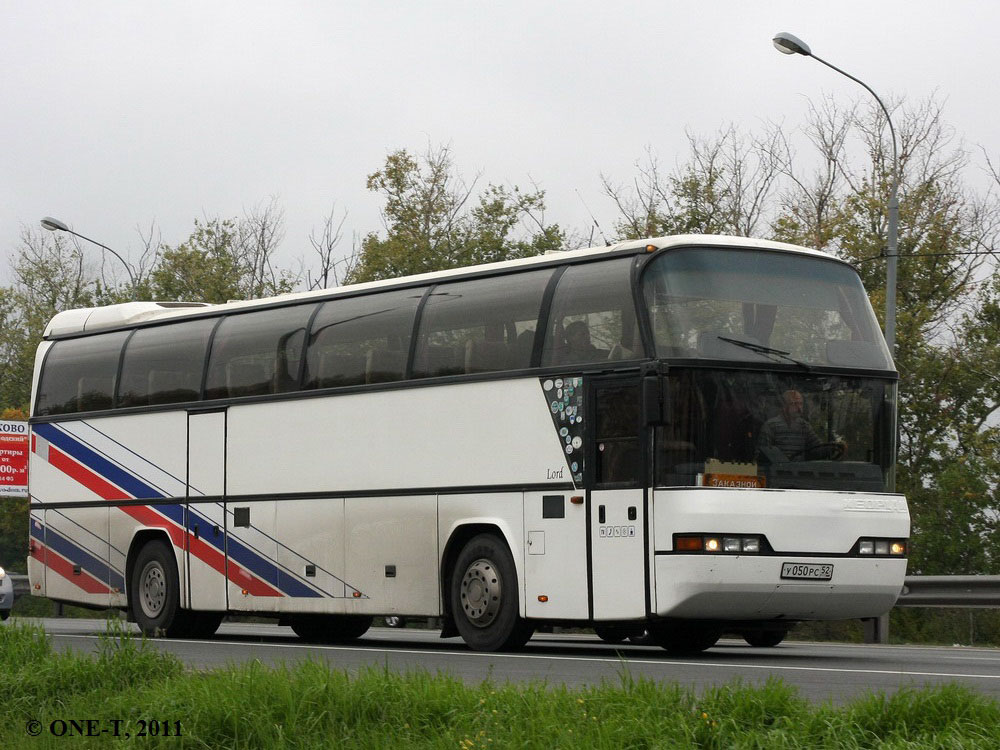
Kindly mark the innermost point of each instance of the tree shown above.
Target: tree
(724, 188)
(224, 259)
(50, 274)
(429, 226)
(325, 245)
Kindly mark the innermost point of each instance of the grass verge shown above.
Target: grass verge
(311, 706)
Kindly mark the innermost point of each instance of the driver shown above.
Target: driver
(790, 433)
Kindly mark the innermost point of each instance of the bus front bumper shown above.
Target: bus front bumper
(750, 587)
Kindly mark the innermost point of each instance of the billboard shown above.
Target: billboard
(14, 446)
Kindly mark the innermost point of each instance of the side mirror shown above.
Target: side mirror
(655, 400)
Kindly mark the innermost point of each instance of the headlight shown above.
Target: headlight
(880, 547)
(2, 573)
(718, 543)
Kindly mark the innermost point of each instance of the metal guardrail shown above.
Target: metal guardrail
(937, 591)
(950, 591)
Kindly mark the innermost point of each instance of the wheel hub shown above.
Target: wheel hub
(481, 593)
(153, 590)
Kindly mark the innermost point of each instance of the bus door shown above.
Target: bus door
(617, 500)
(204, 511)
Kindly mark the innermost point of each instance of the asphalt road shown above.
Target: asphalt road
(820, 671)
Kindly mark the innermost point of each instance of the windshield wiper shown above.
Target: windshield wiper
(761, 349)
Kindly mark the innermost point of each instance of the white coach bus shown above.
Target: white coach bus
(685, 435)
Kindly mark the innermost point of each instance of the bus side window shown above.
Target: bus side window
(94, 393)
(486, 356)
(171, 386)
(361, 340)
(247, 378)
(256, 353)
(384, 365)
(79, 374)
(470, 327)
(163, 364)
(593, 315)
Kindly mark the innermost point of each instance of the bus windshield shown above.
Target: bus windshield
(779, 430)
(761, 306)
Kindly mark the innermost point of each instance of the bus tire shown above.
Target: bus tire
(484, 596)
(154, 593)
(765, 638)
(330, 628)
(684, 638)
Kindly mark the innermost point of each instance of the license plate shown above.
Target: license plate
(806, 571)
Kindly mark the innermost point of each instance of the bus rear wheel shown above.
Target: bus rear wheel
(154, 594)
(684, 638)
(484, 597)
(330, 628)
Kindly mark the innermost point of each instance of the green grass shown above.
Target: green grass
(311, 706)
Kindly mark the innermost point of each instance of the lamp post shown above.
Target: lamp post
(54, 225)
(791, 45)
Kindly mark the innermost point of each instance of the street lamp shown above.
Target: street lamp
(791, 45)
(54, 225)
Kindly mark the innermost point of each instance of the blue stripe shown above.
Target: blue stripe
(263, 568)
(267, 571)
(79, 556)
(96, 462)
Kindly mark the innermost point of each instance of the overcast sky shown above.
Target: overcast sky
(116, 114)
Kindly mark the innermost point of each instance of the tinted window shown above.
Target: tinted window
(163, 365)
(484, 325)
(79, 374)
(718, 303)
(617, 435)
(793, 430)
(593, 316)
(361, 339)
(257, 353)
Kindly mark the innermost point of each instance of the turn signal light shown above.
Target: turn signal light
(715, 543)
(543, 598)
(689, 544)
(881, 547)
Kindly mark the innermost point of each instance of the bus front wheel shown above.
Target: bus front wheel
(484, 596)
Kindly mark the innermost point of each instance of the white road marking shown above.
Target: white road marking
(597, 659)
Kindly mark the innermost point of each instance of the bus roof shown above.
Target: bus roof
(92, 319)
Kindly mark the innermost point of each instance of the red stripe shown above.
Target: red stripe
(52, 560)
(204, 552)
(85, 476)
(148, 516)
